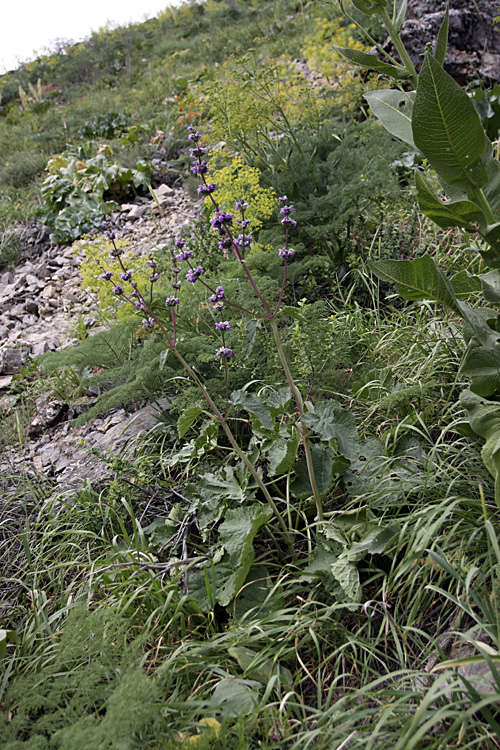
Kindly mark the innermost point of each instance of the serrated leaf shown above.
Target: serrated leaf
(371, 62)
(329, 420)
(186, 419)
(254, 405)
(374, 543)
(322, 460)
(456, 214)
(417, 279)
(346, 574)
(281, 455)
(446, 127)
(236, 534)
(394, 110)
(442, 39)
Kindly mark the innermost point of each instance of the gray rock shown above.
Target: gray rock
(11, 361)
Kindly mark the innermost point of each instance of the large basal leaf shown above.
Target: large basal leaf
(367, 60)
(417, 279)
(456, 214)
(394, 110)
(259, 668)
(482, 366)
(329, 420)
(484, 417)
(234, 696)
(281, 455)
(236, 534)
(254, 405)
(323, 464)
(446, 127)
(346, 574)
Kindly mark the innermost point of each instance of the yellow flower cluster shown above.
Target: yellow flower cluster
(238, 182)
(339, 75)
(96, 251)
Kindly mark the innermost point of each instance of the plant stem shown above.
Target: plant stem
(300, 409)
(405, 58)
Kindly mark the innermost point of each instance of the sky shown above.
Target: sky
(30, 27)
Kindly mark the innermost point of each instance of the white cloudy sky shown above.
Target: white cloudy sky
(29, 26)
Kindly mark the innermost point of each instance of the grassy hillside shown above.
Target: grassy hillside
(307, 538)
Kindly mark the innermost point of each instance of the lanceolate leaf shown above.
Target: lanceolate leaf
(417, 279)
(446, 127)
(370, 61)
(457, 214)
(442, 39)
(394, 110)
(482, 365)
(401, 15)
(464, 284)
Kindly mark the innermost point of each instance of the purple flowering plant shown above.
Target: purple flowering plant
(235, 239)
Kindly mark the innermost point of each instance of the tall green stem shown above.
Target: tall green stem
(393, 33)
(297, 397)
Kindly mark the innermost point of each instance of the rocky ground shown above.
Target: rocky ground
(42, 303)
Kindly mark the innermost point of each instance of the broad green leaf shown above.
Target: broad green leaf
(187, 418)
(464, 284)
(254, 405)
(401, 15)
(236, 534)
(282, 455)
(369, 6)
(492, 188)
(367, 60)
(478, 320)
(446, 127)
(322, 460)
(417, 280)
(484, 417)
(456, 214)
(442, 39)
(374, 543)
(293, 312)
(329, 420)
(482, 366)
(234, 696)
(346, 574)
(490, 283)
(394, 110)
(278, 399)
